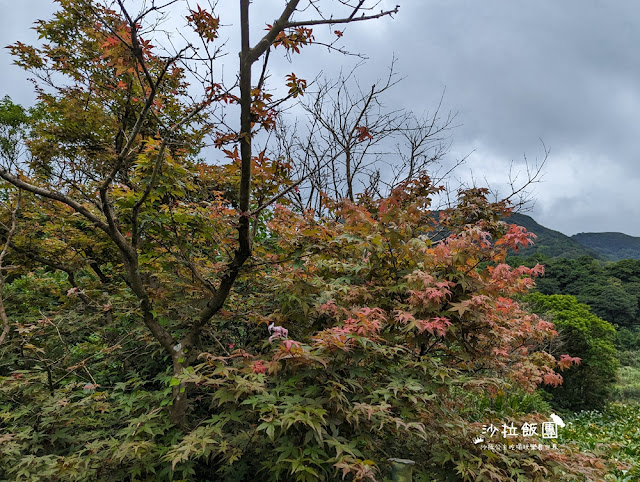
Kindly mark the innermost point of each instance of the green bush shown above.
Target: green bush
(584, 335)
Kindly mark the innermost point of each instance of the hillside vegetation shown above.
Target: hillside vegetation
(610, 246)
(550, 243)
(554, 244)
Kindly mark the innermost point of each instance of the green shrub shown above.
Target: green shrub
(584, 335)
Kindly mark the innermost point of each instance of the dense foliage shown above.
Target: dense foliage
(402, 334)
(170, 317)
(589, 385)
(612, 290)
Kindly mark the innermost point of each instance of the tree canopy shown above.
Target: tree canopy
(588, 385)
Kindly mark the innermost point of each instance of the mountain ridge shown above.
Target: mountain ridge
(609, 246)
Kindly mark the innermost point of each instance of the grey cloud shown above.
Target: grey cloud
(566, 72)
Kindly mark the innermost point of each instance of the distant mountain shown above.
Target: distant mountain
(551, 243)
(610, 246)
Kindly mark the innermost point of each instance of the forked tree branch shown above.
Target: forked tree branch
(283, 23)
(56, 196)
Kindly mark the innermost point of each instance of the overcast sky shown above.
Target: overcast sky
(564, 72)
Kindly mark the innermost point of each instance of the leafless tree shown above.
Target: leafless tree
(347, 141)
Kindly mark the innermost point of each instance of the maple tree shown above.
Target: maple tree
(114, 139)
(281, 341)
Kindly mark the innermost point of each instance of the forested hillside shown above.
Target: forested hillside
(550, 243)
(554, 244)
(611, 246)
(612, 290)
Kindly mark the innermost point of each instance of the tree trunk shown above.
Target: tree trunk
(178, 411)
